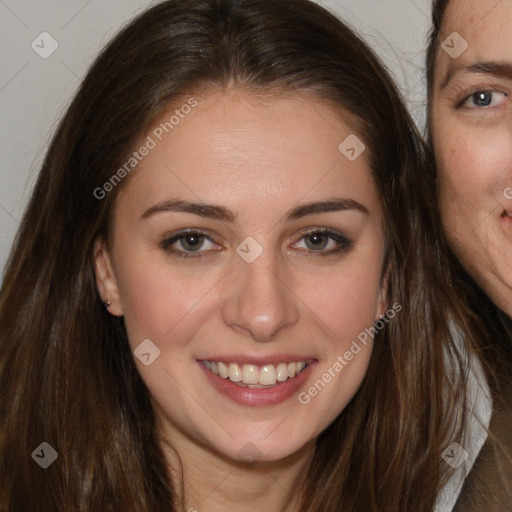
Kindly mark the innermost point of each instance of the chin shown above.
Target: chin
(252, 450)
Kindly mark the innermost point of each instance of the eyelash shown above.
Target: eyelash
(344, 243)
(466, 94)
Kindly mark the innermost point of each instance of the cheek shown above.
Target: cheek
(348, 305)
(347, 313)
(458, 170)
(474, 166)
(345, 300)
(157, 297)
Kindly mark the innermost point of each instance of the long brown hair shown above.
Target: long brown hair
(66, 371)
(489, 484)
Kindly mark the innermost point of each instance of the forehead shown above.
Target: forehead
(483, 26)
(483, 22)
(236, 148)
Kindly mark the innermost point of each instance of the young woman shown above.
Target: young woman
(230, 289)
(470, 86)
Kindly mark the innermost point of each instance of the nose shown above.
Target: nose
(258, 302)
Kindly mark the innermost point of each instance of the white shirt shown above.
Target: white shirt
(480, 404)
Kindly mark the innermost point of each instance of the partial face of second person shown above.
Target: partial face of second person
(305, 282)
(472, 135)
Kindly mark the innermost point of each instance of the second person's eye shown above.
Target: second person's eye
(482, 99)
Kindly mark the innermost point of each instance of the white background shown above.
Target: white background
(34, 92)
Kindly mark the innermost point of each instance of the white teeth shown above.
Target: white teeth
(250, 374)
(282, 372)
(223, 370)
(254, 376)
(268, 375)
(508, 213)
(235, 374)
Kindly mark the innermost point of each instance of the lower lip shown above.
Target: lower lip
(258, 397)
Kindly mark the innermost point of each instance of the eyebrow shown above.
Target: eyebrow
(216, 212)
(494, 69)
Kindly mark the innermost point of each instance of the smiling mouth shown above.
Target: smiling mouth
(256, 377)
(506, 213)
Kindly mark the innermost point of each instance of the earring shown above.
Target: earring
(107, 304)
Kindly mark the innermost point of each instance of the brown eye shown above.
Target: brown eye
(317, 241)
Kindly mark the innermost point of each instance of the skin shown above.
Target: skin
(472, 135)
(259, 157)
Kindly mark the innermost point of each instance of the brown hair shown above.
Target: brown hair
(438, 10)
(66, 371)
(488, 485)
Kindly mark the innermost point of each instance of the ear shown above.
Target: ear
(382, 300)
(106, 281)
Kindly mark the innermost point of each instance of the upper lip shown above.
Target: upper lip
(258, 360)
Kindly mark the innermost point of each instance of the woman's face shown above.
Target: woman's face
(472, 135)
(245, 245)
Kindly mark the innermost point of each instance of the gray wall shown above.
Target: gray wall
(34, 90)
